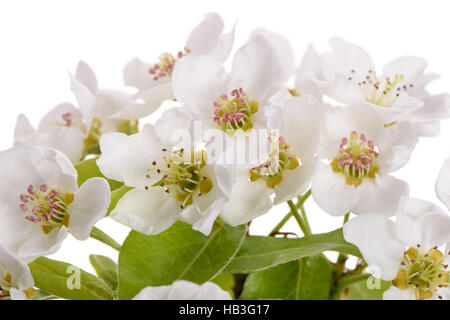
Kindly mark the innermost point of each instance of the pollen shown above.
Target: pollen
(280, 161)
(45, 206)
(181, 175)
(356, 159)
(235, 112)
(422, 271)
(381, 92)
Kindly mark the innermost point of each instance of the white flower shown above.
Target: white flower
(443, 184)
(287, 172)
(409, 251)
(184, 290)
(358, 152)
(231, 101)
(170, 181)
(41, 202)
(347, 74)
(154, 80)
(74, 131)
(16, 282)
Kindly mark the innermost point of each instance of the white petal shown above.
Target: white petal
(198, 81)
(410, 67)
(224, 47)
(443, 184)
(55, 116)
(346, 57)
(19, 271)
(136, 73)
(396, 146)
(128, 158)
(249, 199)
(394, 293)
(153, 98)
(283, 50)
(257, 69)
(310, 77)
(381, 195)
(422, 222)
(331, 193)
(153, 293)
(86, 99)
(89, 205)
(86, 76)
(149, 212)
(375, 237)
(205, 36)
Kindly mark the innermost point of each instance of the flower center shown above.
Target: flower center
(6, 285)
(235, 112)
(167, 61)
(356, 159)
(280, 159)
(45, 206)
(185, 180)
(422, 271)
(379, 93)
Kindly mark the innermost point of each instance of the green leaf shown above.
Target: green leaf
(88, 169)
(106, 269)
(226, 282)
(60, 279)
(360, 291)
(116, 195)
(177, 253)
(309, 278)
(259, 253)
(99, 235)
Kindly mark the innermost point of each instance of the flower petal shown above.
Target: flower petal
(257, 69)
(331, 193)
(128, 158)
(19, 271)
(381, 195)
(86, 76)
(149, 212)
(248, 200)
(422, 222)
(205, 37)
(375, 236)
(136, 73)
(89, 205)
(443, 184)
(394, 293)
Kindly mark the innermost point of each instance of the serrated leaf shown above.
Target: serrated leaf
(106, 269)
(259, 253)
(177, 253)
(88, 169)
(57, 278)
(309, 278)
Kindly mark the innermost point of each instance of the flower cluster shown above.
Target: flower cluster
(269, 132)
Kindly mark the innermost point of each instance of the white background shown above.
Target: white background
(40, 41)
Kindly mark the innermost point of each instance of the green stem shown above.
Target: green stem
(305, 218)
(299, 219)
(301, 200)
(342, 258)
(99, 235)
(346, 217)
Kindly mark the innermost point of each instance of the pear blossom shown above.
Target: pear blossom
(288, 171)
(171, 181)
(233, 104)
(154, 80)
(443, 184)
(358, 153)
(184, 290)
(347, 74)
(410, 252)
(16, 282)
(41, 202)
(76, 131)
